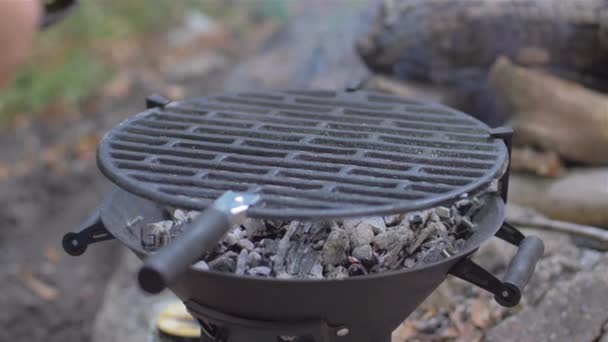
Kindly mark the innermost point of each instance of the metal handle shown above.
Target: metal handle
(507, 292)
(522, 266)
(164, 267)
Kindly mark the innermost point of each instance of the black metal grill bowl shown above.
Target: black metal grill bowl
(446, 155)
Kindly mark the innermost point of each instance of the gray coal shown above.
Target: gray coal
(332, 249)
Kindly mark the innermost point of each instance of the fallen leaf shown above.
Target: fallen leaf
(5, 172)
(480, 313)
(175, 92)
(119, 87)
(405, 332)
(52, 254)
(39, 288)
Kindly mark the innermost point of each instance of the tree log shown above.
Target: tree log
(458, 40)
(552, 113)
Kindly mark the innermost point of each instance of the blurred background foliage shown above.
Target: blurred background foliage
(66, 68)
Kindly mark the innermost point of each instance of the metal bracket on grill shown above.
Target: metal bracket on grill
(505, 133)
(221, 327)
(92, 231)
(156, 100)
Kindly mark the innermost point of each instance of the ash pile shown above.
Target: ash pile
(331, 249)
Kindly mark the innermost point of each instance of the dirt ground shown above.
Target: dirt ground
(51, 185)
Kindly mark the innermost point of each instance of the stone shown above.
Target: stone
(361, 235)
(363, 253)
(316, 272)
(572, 310)
(335, 248)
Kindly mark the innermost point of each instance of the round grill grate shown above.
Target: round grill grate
(309, 154)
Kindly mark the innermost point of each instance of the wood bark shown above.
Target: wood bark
(552, 113)
(458, 40)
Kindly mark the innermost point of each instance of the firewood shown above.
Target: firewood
(552, 113)
(453, 40)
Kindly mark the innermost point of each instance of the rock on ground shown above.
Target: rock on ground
(127, 314)
(573, 310)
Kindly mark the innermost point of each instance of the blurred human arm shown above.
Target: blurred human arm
(19, 20)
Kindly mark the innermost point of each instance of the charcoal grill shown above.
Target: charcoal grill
(302, 155)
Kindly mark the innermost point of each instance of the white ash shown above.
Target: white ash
(331, 249)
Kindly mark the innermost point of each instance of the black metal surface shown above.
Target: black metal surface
(370, 306)
(202, 235)
(309, 154)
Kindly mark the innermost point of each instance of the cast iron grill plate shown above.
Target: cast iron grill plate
(309, 154)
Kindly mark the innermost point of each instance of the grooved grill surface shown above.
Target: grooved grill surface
(309, 154)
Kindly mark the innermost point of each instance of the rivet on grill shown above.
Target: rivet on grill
(343, 332)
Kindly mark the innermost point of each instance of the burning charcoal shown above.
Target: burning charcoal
(417, 219)
(457, 246)
(350, 224)
(396, 238)
(283, 247)
(269, 247)
(319, 244)
(463, 206)
(308, 260)
(180, 216)
(338, 272)
(254, 227)
(363, 253)
(316, 272)
(409, 262)
(377, 223)
(360, 235)
(433, 217)
(156, 235)
(443, 212)
(224, 263)
(261, 271)
(246, 244)
(393, 220)
(422, 236)
(241, 262)
(254, 259)
(433, 254)
(230, 240)
(192, 215)
(391, 259)
(335, 248)
(356, 270)
(201, 266)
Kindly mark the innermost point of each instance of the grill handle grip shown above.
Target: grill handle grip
(162, 268)
(522, 265)
(507, 292)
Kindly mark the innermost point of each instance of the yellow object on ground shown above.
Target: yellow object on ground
(174, 320)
